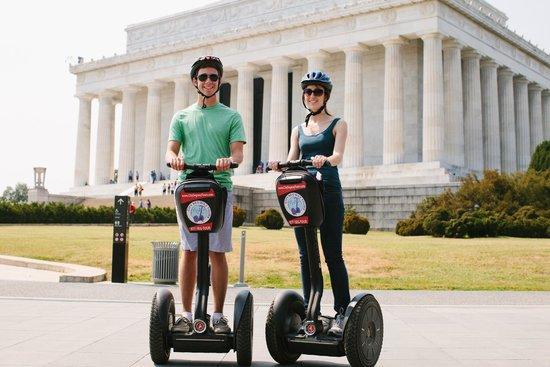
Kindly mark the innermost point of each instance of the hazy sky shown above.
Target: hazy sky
(38, 112)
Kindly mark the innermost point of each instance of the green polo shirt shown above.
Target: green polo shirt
(205, 134)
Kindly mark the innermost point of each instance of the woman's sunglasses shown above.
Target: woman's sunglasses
(212, 77)
(316, 92)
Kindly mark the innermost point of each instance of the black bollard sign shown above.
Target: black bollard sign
(120, 240)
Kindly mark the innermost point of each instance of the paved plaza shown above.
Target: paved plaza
(103, 324)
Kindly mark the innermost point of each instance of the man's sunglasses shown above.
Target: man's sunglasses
(212, 77)
(316, 92)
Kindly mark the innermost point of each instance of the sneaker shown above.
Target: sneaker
(221, 326)
(183, 325)
(337, 328)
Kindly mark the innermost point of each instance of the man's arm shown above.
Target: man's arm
(172, 155)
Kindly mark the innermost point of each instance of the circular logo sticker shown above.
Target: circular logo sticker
(199, 212)
(295, 204)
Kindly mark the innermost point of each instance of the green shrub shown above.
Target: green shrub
(270, 219)
(499, 204)
(356, 224)
(540, 160)
(239, 216)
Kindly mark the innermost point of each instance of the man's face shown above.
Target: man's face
(207, 87)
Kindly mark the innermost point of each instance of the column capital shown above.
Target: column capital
(534, 87)
(85, 96)
(470, 53)
(107, 93)
(505, 71)
(355, 47)
(181, 79)
(132, 89)
(281, 61)
(398, 40)
(546, 93)
(247, 66)
(449, 43)
(487, 62)
(520, 79)
(155, 85)
(432, 35)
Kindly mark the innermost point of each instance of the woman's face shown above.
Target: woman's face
(314, 96)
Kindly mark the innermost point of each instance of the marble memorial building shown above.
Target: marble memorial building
(425, 85)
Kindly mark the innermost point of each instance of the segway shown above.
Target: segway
(201, 201)
(291, 329)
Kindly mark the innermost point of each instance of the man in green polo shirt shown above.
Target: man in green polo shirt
(206, 132)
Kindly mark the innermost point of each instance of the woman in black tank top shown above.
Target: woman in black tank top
(322, 138)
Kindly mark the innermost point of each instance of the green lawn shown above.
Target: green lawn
(379, 260)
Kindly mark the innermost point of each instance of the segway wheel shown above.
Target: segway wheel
(364, 333)
(244, 335)
(162, 319)
(285, 315)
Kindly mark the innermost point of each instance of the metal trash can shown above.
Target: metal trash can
(165, 262)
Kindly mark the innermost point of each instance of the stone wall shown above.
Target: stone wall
(383, 206)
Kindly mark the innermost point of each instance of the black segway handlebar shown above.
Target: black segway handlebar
(204, 167)
(297, 163)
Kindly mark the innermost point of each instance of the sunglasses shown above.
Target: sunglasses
(316, 92)
(212, 77)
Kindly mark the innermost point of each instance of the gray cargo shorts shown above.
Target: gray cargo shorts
(219, 241)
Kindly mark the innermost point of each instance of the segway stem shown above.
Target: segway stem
(201, 295)
(315, 274)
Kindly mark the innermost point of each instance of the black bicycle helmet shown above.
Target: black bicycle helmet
(316, 78)
(319, 78)
(205, 62)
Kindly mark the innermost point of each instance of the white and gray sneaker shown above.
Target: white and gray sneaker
(221, 326)
(183, 325)
(337, 328)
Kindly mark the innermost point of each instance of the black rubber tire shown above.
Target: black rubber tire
(364, 333)
(284, 311)
(159, 346)
(244, 335)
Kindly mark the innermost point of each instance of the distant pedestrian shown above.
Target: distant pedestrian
(148, 204)
(130, 176)
(137, 175)
(140, 205)
(136, 189)
(164, 189)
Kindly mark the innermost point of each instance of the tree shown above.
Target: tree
(18, 195)
(540, 160)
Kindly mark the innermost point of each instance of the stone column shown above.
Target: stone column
(490, 117)
(521, 101)
(535, 116)
(316, 61)
(278, 117)
(82, 155)
(104, 148)
(473, 132)
(127, 134)
(394, 118)
(546, 113)
(453, 108)
(507, 120)
(151, 148)
(353, 106)
(433, 112)
(245, 106)
(266, 76)
(181, 93)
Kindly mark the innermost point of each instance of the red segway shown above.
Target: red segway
(201, 201)
(291, 329)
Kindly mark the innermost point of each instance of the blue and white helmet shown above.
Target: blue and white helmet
(319, 78)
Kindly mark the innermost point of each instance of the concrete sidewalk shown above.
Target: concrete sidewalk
(104, 324)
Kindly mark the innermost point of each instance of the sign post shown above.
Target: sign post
(120, 240)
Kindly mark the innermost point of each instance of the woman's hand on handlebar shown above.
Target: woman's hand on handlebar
(177, 163)
(222, 164)
(273, 165)
(318, 161)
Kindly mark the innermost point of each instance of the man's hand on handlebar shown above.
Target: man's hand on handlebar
(177, 163)
(223, 164)
(273, 165)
